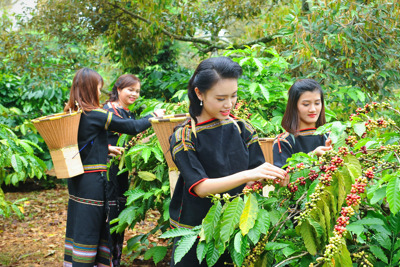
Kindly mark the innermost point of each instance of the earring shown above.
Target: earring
(201, 102)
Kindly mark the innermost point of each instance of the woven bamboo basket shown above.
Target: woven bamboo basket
(60, 132)
(266, 147)
(164, 127)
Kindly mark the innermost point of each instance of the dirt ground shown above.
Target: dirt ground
(38, 240)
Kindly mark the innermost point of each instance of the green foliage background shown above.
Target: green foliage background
(350, 47)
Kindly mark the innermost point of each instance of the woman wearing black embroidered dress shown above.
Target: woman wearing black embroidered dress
(214, 152)
(305, 112)
(87, 235)
(125, 92)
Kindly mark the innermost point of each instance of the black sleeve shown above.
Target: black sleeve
(184, 154)
(127, 126)
(256, 156)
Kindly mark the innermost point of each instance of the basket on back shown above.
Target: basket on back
(60, 132)
(164, 128)
(266, 147)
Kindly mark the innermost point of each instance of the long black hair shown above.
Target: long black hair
(206, 75)
(291, 120)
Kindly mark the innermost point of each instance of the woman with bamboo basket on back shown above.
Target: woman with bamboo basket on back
(87, 240)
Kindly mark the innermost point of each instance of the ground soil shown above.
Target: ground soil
(38, 239)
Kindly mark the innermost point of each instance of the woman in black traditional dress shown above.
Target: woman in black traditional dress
(125, 92)
(87, 241)
(305, 112)
(214, 151)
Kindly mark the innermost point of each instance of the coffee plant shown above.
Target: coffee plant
(17, 162)
(341, 209)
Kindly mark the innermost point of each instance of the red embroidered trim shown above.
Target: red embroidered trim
(306, 129)
(190, 189)
(96, 171)
(205, 121)
(279, 142)
(115, 111)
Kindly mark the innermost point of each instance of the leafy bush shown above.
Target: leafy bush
(18, 161)
(263, 89)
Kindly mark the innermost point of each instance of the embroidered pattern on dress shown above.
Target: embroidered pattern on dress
(95, 167)
(307, 132)
(109, 118)
(86, 201)
(80, 252)
(282, 138)
(254, 139)
(100, 110)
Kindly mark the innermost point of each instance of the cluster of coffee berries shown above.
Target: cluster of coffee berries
(332, 248)
(341, 223)
(300, 166)
(326, 178)
(351, 140)
(369, 173)
(379, 123)
(255, 187)
(256, 251)
(312, 175)
(292, 187)
(311, 205)
(226, 197)
(359, 186)
(362, 258)
(364, 150)
(368, 108)
(343, 151)
(217, 197)
(353, 200)
(241, 110)
(337, 161)
(347, 211)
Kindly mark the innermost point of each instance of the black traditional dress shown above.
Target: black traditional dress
(286, 144)
(220, 148)
(117, 185)
(87, 235)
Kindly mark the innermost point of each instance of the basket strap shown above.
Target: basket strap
(91, 142)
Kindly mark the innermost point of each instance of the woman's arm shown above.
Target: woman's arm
(223, 184)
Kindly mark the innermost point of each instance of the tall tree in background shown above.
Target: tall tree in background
(136, 30)
(353, 44)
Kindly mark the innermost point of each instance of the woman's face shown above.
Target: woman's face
(218, 100)
(309, 108)
(128, 95)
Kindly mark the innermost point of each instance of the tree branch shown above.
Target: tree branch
(170, 34)
(291, 258)
(395, 110)
(211, 45)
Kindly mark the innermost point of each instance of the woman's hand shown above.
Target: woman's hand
(319, 151)
(115, 150)
(328, 142)
(267, 171)
(285, 181)
(159, 112)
